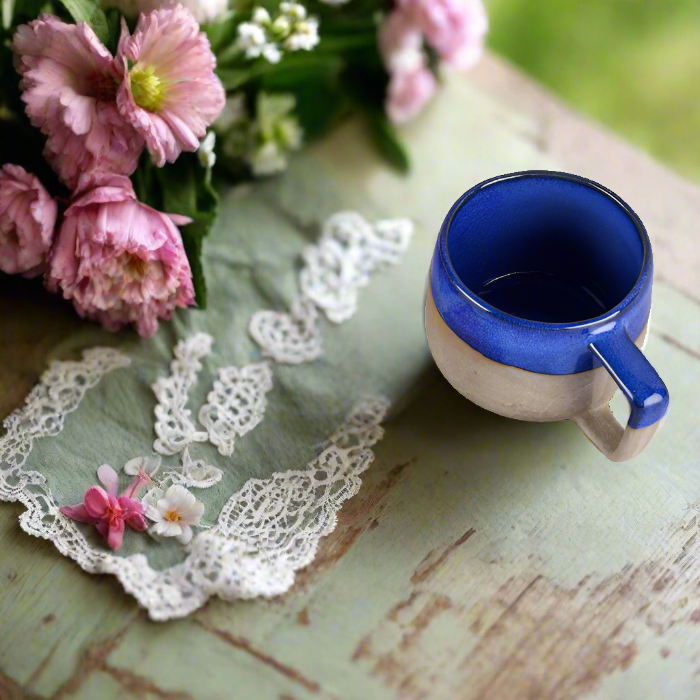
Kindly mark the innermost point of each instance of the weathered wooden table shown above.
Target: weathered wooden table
(478, 560)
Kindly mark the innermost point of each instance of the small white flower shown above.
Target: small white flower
(267, 159)
(293, 10)
(305, 36)
(290, 134)
(281, 25)
(174, 512)
(203, 10)
(251, 39)
(265, 36)
(273, 134)
(261, 15)
(271, 53)
(205, 152)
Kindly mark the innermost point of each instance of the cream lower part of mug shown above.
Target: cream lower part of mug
(524, 395)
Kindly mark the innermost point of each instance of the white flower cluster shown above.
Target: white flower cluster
(205, 152)
(204, 11)
(290, 30)
(265, 142)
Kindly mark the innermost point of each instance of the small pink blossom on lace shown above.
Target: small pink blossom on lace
(27, 220)
(174, 512)
(109, 513)
(69, 84)
(119, 260)
(170, 94)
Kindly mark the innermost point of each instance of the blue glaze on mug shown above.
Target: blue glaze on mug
(567, 228)
(638, 380)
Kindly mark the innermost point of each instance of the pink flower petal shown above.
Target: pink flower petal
(112, 533)
(179, 220)
(134, 518)
(109, 479)
(408, 93)
(79, 513)
(96, 501)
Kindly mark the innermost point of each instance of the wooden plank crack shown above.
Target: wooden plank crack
(245, 645)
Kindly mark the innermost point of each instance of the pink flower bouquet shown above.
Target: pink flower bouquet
(114, 113)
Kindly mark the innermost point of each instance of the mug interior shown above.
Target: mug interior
(548, 247)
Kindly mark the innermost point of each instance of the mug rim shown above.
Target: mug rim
(510, 318)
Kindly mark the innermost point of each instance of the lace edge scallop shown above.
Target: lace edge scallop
(242, 557)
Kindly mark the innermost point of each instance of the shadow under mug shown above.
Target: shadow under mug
(538, 305)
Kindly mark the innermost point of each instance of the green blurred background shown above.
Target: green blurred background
(631, 64)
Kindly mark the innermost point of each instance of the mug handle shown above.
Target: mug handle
(643, 388)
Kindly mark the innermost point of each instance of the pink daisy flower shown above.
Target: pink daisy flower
(69, 84)
(170, 94)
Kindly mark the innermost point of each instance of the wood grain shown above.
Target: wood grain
(483, 557)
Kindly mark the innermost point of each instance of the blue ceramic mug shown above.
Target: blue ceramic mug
(538, 305)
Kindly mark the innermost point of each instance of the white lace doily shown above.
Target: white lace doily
(348, 252)
(264, 533)
(271, 527)
(174, 427)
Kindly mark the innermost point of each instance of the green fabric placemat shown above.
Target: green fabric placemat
(252, 262)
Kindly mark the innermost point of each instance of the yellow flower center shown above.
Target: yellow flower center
(147, 88)
(173, 516)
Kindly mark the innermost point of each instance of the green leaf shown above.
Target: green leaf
(146, 184)
(319, 101)
(187, 190)
(386, 140)
(8, 12)
(99, 25)
(347, 42)
(222, 32)
(80, 10)
(89, 11)
(25, 10)
(233, 78)
(113, 17)
(365, 88)
(22, 143)
(192, 241)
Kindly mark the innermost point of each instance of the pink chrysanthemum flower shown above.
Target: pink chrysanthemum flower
(170, 93)
(27, 221)
(69, 84)
(119, 260)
